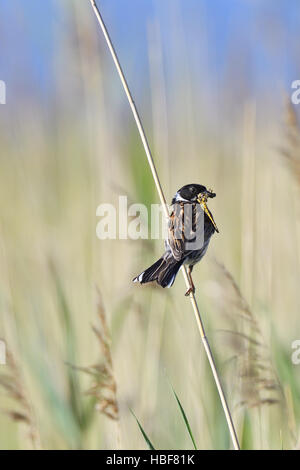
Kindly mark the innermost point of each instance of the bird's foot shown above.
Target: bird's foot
(190, 291)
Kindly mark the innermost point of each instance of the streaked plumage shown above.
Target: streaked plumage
(190, 215)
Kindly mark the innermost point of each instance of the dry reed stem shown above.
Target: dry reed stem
(166, 211)
(13, 384)
(259, 382)
(104, 387)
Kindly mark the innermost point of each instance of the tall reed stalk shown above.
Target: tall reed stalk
(166, 211)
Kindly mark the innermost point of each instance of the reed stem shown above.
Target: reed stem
(166, 211)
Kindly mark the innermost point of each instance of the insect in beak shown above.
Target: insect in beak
(202, 199)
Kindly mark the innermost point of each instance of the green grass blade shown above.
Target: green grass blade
(148, 442)
(186, 421)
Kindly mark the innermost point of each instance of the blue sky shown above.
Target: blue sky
(266, 30)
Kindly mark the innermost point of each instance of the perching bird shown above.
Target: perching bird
(190, 227)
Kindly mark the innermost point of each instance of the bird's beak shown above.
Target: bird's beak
(210, 193)
(202, 199)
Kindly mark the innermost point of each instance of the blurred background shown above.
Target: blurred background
(212, 82)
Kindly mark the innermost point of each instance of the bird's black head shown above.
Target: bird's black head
(196, 193)
(192, 193)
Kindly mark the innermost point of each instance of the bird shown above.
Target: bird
(190, 227)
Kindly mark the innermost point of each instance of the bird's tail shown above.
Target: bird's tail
(162, 271)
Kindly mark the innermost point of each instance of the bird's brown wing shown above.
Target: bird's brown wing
(183, 221)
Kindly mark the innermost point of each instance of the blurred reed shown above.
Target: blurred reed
(12, 382)
(60, 158)
(156, 179)
(104, 387)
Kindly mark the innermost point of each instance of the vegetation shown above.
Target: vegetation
(77, 364)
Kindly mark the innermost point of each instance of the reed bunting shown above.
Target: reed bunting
(190, 228)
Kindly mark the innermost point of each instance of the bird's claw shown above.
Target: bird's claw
(190, 291)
